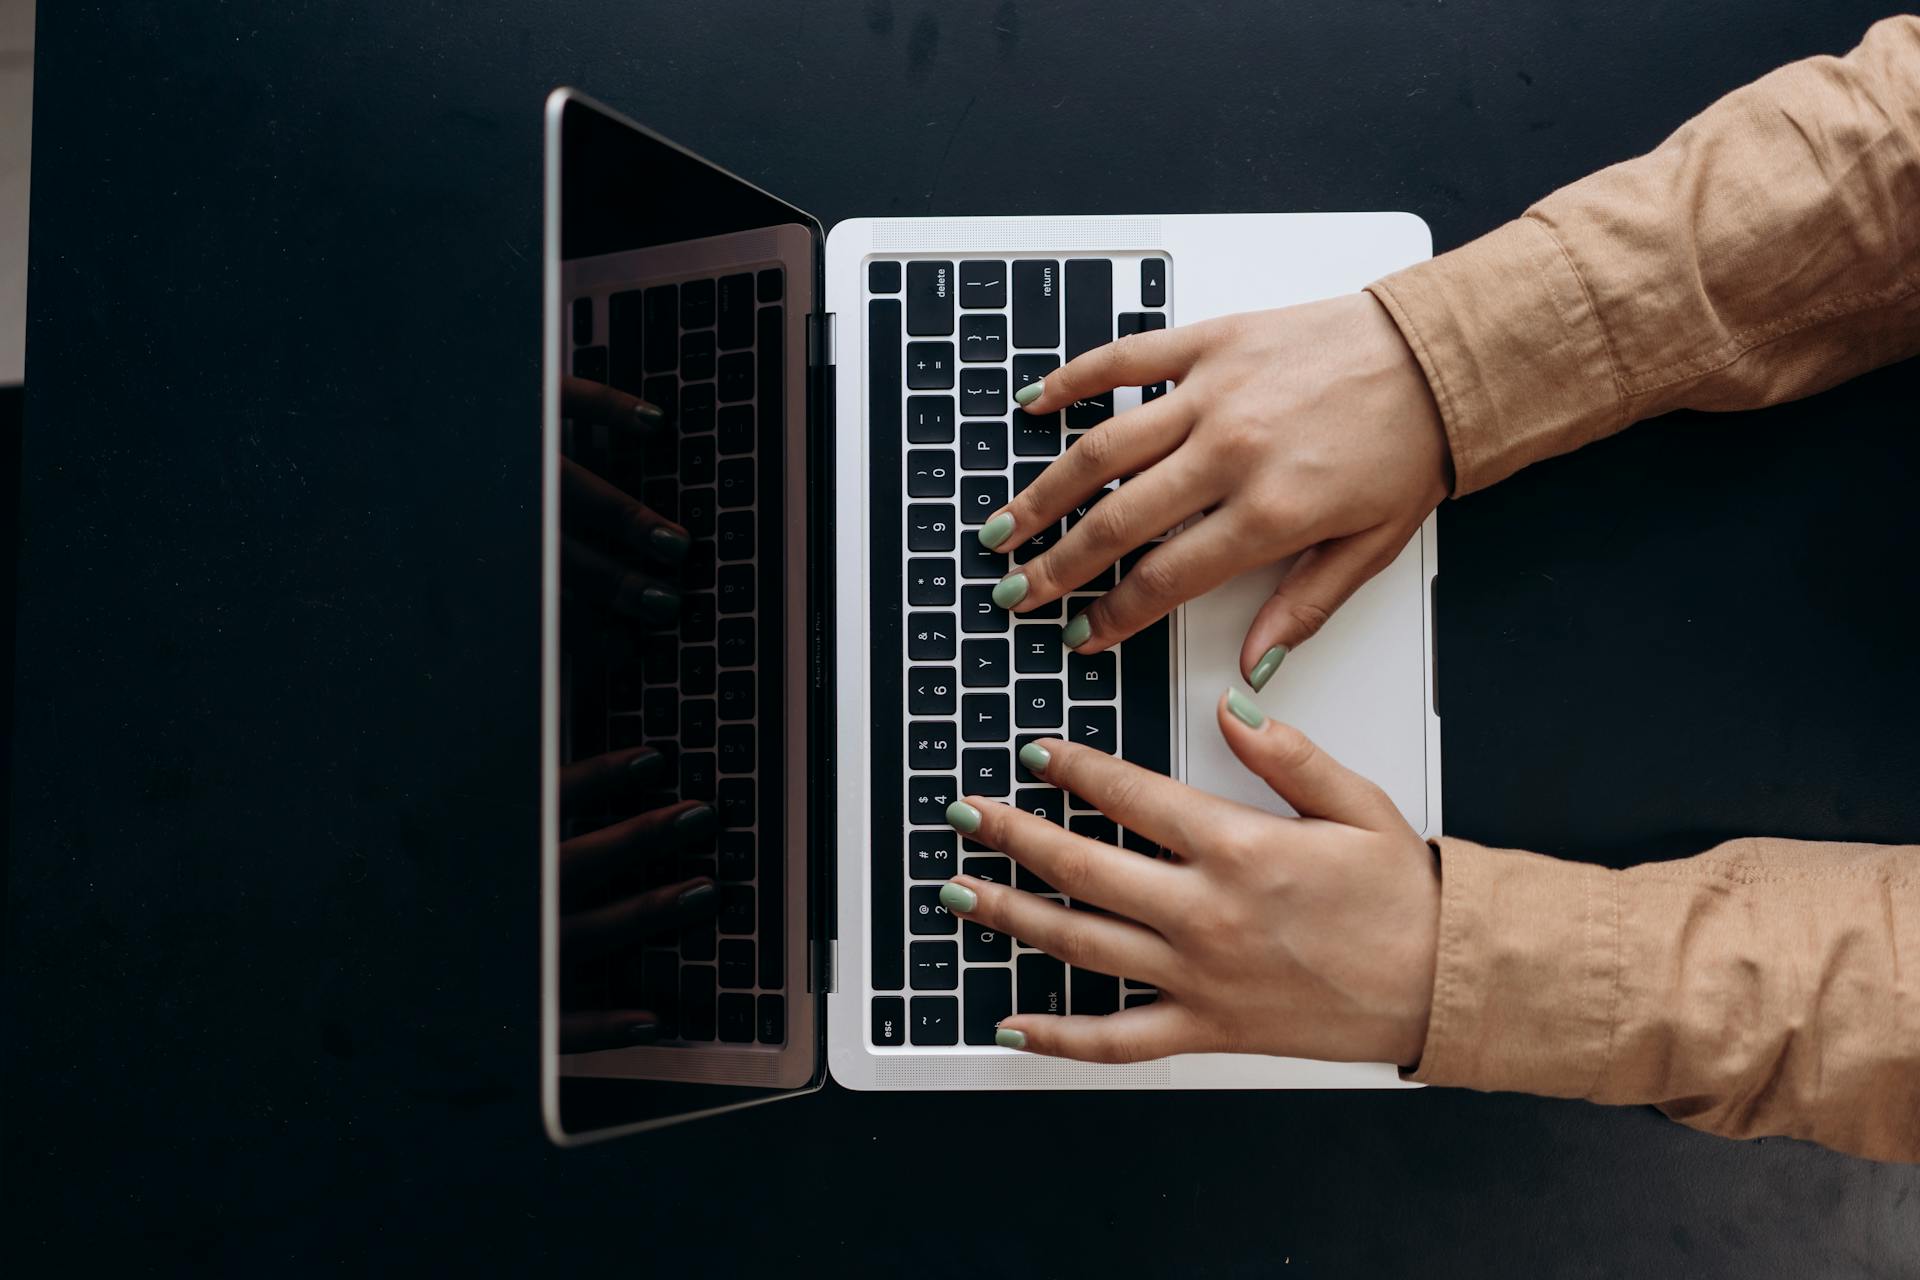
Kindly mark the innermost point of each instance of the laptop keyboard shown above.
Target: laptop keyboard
(710, 353)
(959, 684)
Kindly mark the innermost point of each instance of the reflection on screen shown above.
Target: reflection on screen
(681, 950)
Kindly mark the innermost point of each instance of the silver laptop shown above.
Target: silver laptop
(754, 722)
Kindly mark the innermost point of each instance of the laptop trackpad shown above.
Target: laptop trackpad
(1358, 688)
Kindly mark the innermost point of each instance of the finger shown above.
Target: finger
(1105, 944)
(1313, 782)
(1159, 355)
(1166, 812)
(599, 778)
(607, 1029)
(587, 934)
(590, 576)
(1136, 512)
(1190, 564)
(1319, 582)
(585, 401)
(1141, 1034)
(1143, 889)
(598, 863)
(1128, 444)
(617, 520)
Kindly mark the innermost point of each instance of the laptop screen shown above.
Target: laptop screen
(676, 931)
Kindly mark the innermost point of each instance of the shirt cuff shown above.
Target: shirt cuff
(1515, 354)
(1526, 979)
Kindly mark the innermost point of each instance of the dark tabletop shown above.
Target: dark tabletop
(272, 901)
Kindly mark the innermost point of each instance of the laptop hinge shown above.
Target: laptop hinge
(827, 959)
(820, 340)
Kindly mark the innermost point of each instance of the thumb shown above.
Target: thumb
(1313, 782)
(1319, 582)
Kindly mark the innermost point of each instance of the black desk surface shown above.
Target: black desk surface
(271, 907)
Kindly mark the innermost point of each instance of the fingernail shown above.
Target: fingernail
(1269, 663)
(962, 816)
(660, 607)
(1075, 633)
(647, 415)
(1035, 757)
(1010, 590)
(957, 897)
(1243, 709)
(698, 898)
(995, 531)
(1031, 392)
(1009, 1038)
(646, 767)
(670, 545)
(640, 1032)
(696, 826)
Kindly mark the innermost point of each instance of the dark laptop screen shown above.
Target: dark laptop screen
(676, 877)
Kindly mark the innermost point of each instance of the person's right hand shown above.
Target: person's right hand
(1307, 429)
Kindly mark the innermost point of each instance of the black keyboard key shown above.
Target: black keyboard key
(696, 356)
(660, 990)
(1094, 826)
(699, 775)
(1031, 368)
(1095, 993)
(889, 1012)
(736, 802)
(736, 748)
(930, 298)
(698, 572)
(930, 637)
(736, 962)
(980, 945)
(980, 497)
(736, 588)
(736, 312)
(626, 355)
(736, 855)
(737, 916)
(1128, 323)
(1089, 304)
(590, 363)
(986, 771)
(697, 663)
(983, 718)
(929, 419)
(1036, 437)
(930, 526)
(978, 562)
(1152, 391)
(582, 321)
(930, 473)
(1043, 983)
(983, 284)
(1146, 699)
(697, 723)
(736, 429)
(1090, 412)
(734, 537)
(930, 745)
(1153, 282)
(770, 372)
(989, 999)
(978, 613)
(770, 1019)
(662, 341)
(983, 339)
(1036, 303)
(1025, 473)
(930, 366)
(736, 376)
(1048, 803)
(697, 943)
(930, 580)
(925, 915)
(696, 408)
(736, 1018)
(736, 642)
(928, 796)
(933, 966)
(983, 446)
(935, 1021)
(660, 710)
(994, 869)
(883, 277)
(1036, 648)
(697, 508)
(1091, 676)
(664, 392)
(697, 1002)
(696, 304)
(1037, 704)
(696, 617)
(931, 855)
(930, 691)
(736, 482)
(697, 460)
(1093, 726)
(983, 393)
(983, 664)
(770, 284)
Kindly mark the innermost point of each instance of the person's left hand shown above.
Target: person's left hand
(1308, 937)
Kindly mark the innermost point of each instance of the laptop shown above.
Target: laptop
(770, 656)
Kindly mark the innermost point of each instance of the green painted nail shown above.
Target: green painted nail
(957, 897)
(1029, 393)
(1008, 1038)
(1243, 709)
(995, 531)
(1269, 663)
(1010, 590)
(962, 816)
(670, 545)
(1035, 757)
(661, 608)
(1075, 633)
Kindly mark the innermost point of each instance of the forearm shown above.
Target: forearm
(1763, 987)
(1768, 249)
